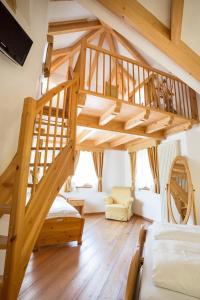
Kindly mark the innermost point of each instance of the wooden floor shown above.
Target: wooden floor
(96, 270)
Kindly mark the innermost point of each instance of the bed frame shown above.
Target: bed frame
(60, 230)
(134, 275)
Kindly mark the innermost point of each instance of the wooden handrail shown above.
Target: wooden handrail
(44, 99)
(130, 60)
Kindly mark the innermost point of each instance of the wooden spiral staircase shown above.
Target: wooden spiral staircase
(43, 161)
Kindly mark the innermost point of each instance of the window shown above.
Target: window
(85, 173)
(144, 178)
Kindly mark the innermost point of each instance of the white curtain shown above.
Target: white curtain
(166, 154)
(143, 178)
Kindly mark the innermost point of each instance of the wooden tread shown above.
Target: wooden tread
(39, 164)
(5, 208)
(48, 148)
(51, 135)
(3, 242)
(52, 124)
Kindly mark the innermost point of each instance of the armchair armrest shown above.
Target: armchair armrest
(129, 202)
(108, 200)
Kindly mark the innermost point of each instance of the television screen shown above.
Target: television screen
(14, 42)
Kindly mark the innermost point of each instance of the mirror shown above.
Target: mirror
(180, 193)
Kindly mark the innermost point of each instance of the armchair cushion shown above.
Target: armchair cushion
(108, 200)
(120, 205)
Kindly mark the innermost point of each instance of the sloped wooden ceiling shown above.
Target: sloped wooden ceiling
(151, 28)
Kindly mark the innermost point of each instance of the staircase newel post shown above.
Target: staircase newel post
(12, 276)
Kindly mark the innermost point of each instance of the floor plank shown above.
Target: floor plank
(96, 270)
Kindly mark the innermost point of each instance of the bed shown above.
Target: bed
(63, 224)
(140, 283)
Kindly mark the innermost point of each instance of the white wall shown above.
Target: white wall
(147, 203)
(113, 175)
(18, 82)
(190, 148)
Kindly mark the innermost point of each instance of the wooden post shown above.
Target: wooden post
(11, 283)
(193, 104)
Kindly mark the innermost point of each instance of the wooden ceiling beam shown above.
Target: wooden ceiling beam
(61, 55)
(83, 135)
(57, 62)
(176, 20)
(122, 140)
(161, 124)
(175, 129)
(138, 119)
(129, 47)
(104, 139)
(152, 29)
(63, 27)
(114, 126)
(76, 46)
(141, 144)
(110, 114)
(90, 146)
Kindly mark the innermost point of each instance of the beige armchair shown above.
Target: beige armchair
(119, 206)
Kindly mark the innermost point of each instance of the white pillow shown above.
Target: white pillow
(176, 266)
(167, 231)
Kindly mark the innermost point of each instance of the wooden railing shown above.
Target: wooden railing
(127, 80)
(45, 158)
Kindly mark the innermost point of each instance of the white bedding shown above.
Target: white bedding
(167, 231)
(176, 266)
(60, 208)
(148, 290)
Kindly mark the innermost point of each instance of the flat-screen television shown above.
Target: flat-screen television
(14, 42)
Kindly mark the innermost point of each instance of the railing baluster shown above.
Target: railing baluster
(187, 102)
(110, 65)
(183, 100)
(122, 76)
(139, 85)
(128, 87)
(36, 157)
(103, 73)
(97, 72)
(47, 135)
(56, 124)
(90, 69)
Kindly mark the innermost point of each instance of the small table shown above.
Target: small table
(78, 204)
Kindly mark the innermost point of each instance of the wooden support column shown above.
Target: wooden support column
(47, 64)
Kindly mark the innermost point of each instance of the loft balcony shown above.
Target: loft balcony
(120, 94)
